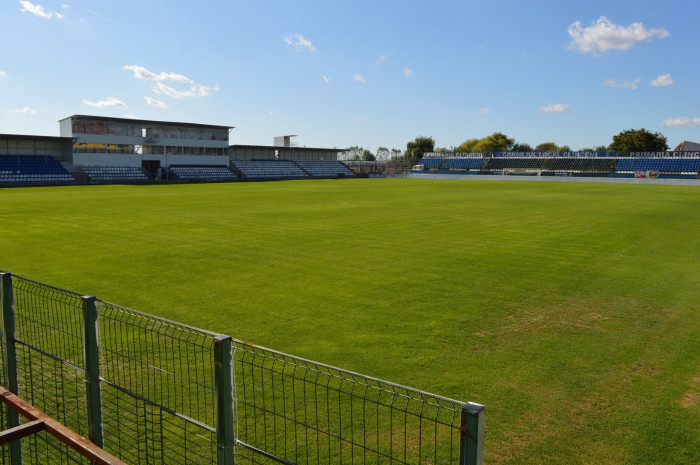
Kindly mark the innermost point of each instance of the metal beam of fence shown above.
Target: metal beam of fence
(92, 369)
(10, 357)
(472, 434)
(223, 373)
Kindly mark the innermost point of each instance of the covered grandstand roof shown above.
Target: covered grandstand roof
(147, 121)
(30, 137)
(274, 147)
(687, 146)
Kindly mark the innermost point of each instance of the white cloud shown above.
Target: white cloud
(3, 74)
(365, 119)
(484, 111)
(65, 6)
(359, 78)
(604, 35)
(662, 81)
(554, 108)
(194, 91)
(154, 102)
(298, 42)
(681, 121)
(111, 102)
(407, 71)
(326, 79)
(161, 88)
(204, 91)
(38, 10)
(142, 73)
(380, 60)
(625, 84)
(24, 111)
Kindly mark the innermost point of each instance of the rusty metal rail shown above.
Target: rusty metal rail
(42, 422)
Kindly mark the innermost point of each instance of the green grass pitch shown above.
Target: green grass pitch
(572, 311)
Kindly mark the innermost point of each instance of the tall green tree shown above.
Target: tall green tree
(354, 153)
(552, 147)
(496, 142)
(416, 148)
(521, 147)
(368, 156)
(383, 153)
(547, 147)
(467, 146)
(639, 140)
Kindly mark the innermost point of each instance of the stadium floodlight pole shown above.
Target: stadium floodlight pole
(8, 322)
(471, 440)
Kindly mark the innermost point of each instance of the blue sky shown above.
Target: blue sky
(368, 73)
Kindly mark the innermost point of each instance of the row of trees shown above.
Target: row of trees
(632, 140)
(382, 154)
(639, 140)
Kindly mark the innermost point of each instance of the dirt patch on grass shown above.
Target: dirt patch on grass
(414, 442)
(644, 369)
(557, 438)
(571, 314)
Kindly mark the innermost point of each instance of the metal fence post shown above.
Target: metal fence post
(92, 370)
(223, 379)
(10, 362)
(471, 444)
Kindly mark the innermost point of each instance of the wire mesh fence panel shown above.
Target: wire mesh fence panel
(166, 395)
(53, 387)
(49, 347)
(49, 320)
(307, 413)
(158, 390)
(142, 432)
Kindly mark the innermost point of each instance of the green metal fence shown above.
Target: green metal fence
(153, 391)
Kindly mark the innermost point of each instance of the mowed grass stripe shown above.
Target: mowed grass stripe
(570, 310)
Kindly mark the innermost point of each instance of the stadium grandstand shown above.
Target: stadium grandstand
(34, 160)
(103, 150)
(680, 164)
(116, 149)
(285, 160)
